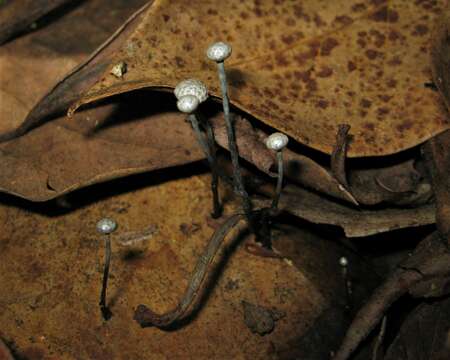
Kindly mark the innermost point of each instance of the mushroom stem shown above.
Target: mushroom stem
(237, 176)
(209, 150)
(104, 309)
(217, 209)
(343, 262)
(277, 195)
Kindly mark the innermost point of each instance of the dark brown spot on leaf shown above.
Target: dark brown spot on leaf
(369, 126)
(343, 20)
(325, 72)
(351, 66)
(287, 39)
(180, 62)
(372, 54)
(406, 125)
(385, 15)
(281, 60)
(328, 45)
(365, 103)
(358, 7)
(381, 112)
(322, 103)
(290, 22)
(420, 30)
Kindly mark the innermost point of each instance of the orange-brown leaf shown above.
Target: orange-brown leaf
(302, 68)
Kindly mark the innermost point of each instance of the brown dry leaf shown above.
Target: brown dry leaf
(69, 153)
(355, 222)
(51, 269)
(402, 183)
(425, 335)
(440, 55)
(31, 65)
(301, 68)
(16, 16)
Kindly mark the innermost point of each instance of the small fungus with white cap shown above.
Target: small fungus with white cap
(343, 262)
(190, 93)
(219, 52)
(106, 227)
(277, 142)
(191, 87)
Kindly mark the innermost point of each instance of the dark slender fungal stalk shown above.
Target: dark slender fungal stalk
(106, 227)
(276, 198)
(106, 313)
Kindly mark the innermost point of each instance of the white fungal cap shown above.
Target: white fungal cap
(343, 261)
(188, 104)
(277, 141)
(191, 87)
(106, 226)
(218, 51)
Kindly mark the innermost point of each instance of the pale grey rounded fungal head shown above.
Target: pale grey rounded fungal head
(343, 261)
(188, 104)
(218, 51)
(191, 87)
(277, 141)
(106, 226)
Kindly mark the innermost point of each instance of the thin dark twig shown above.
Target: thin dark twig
(106, 312)
(338, 158)
(379, 341)
(372, 312)
(146, 317)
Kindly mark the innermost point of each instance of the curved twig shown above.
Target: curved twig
(369, 316)
(146, 317)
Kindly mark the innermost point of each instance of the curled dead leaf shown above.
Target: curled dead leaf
(36, 62)
(301, 68)
(355, 222)
(69, 153)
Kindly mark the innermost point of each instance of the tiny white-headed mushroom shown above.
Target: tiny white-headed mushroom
(188, 104)
(343, 262)
(219, 52)
(191, 87)
(106, 226)
(277, 142)
(190, 93)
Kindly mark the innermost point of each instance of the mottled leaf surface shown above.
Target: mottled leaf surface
(302, 68)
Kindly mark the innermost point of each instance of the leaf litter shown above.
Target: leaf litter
(301, 68)
(399, 193)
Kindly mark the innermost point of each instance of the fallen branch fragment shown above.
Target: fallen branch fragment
(339, 155)
(146, 317)
(430, 260)
(356, 223)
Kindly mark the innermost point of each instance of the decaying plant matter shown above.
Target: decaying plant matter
(352, 84)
